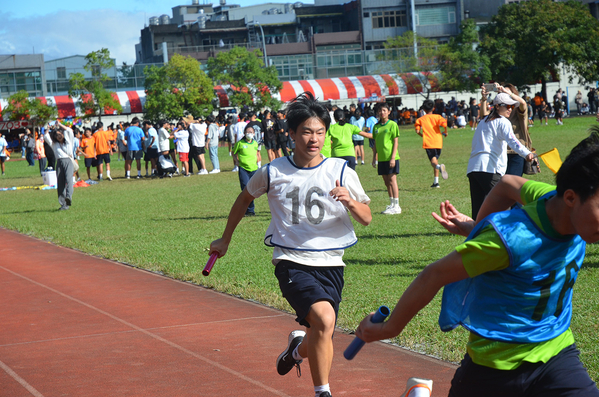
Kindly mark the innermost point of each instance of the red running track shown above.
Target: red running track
(76, 325)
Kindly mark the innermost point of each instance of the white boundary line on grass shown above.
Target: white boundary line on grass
(148, 333)
(22, 381)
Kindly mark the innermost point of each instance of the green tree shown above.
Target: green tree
(94, 98)
(22, 107)
(250, 82)
(461, 66)
(180, 87)
(404, 60)
(126, 75)
(529, 40)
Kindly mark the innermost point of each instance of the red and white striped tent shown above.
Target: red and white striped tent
(337, 88)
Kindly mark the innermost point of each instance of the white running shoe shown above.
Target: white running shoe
(203, 171)
(236, 169)
(444, 173)
(417, 387)
(392, 210)
(214, 171)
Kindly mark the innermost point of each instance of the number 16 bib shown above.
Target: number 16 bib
(304, 216)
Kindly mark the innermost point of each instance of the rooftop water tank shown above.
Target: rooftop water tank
(202, 20)
(298, 5)
(164, 19)
(195, 2)
(154, 21)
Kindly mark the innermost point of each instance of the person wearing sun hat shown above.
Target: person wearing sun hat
(519, 121)
(488, 158)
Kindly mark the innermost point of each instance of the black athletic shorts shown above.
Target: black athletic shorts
(562, 376)
(151, 153)
(358, 143)
(385, 169)
(303, 286)
(433, 153)
(89, 162)
(351, 161)
(270, 144)
(103, 158)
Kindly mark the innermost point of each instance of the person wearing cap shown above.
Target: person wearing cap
(519, 121)
(488, 158)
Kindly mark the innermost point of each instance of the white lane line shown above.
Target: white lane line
(159, 338)
(22, 381)
(133, 330)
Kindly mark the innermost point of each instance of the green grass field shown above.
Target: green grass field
(166, 225)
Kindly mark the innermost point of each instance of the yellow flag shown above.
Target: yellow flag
(552, 160)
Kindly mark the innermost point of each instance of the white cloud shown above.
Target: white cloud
(64, 34)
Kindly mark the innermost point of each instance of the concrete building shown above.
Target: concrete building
(302, 41)
(22, 72)
(58, 72)
(434, 19)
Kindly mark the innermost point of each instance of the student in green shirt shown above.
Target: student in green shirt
(340, 136)
(386, 137)
(511, 284)
(247, 154)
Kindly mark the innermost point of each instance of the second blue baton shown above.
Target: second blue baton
(354, 347)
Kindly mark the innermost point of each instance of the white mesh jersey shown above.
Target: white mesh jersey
(304, 215)
(260, 184)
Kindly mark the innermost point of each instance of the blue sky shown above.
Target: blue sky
(62, 28)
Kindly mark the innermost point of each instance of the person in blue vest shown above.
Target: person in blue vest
(510, 284)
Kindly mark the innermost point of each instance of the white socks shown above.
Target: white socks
(436, 179)
(321, 389)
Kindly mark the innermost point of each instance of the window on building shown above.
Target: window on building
(435, 16)
(61, 73)
(389, 19)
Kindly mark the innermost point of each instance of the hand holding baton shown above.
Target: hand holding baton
(210, 264)
(355, 346)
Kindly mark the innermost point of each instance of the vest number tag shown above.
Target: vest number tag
(308, 204)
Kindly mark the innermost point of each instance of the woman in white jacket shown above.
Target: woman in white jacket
(488, 159)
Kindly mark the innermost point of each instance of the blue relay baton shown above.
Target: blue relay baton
(355, 346)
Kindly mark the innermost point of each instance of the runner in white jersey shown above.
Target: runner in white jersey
(309, 198)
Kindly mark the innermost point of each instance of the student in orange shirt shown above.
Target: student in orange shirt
(407, 117)
(87, 147)
(103, 150)
(428, 127)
